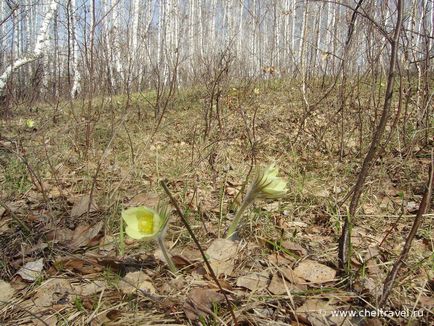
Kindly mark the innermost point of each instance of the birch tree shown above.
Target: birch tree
(75, 89)
(38, 52)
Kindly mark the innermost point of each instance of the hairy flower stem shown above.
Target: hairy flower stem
(250, 197)
(169, 260)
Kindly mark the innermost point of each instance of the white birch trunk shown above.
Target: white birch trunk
(200, 35)
(75, 89)
(160, 31)
(213, 21)
(135, 26)
(254, 65)
(240, 30)
(317, 57)
(293, 11)
(38, 52)
(303, 36)
(2, 41)
(278, 36)
(115, 38)
(191, 34)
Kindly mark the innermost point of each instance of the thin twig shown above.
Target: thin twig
(15, 217)
(424, 206)
(345, 239)
(190, 231)
(393, 226)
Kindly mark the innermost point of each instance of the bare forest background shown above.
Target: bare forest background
(131, 45)
(111, 104)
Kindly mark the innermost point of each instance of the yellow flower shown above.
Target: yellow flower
(30, 123)
(269, 185)
(256, 91)
(142, 222)
(266, 185)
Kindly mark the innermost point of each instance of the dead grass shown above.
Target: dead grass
(129, 162)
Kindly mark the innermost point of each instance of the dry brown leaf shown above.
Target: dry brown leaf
(180, 262)
(47, 320)
(181, 256)
(60, 235)
(288, 273)
(84, 234)
(254, 281)
(373, 251)
(323, 193)
(4, 226)
(231, 191)
(54, 192)
(278, 260)
(107, 244)
(315, 310)
(427, 302)
(371, 261)
(82, 266)
(16, 205)
(412, 207)
(370, 209)
(52, 292)
(294, 247)
(278, 285)
(374, 287)
(89, 288)
(147, 199)
(222, 254)
(32, 270)
(271, 207)
(189, 253)
(314, 272)
(114, 314)
(6, 291)
(361, 237)
(81, 206)
(199, 303)
(319, 313)
(293, 224)
(136, 281)
(386, 203)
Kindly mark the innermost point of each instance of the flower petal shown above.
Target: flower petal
(130, 214)
(134, 233)
(270, 185)
(142, 222)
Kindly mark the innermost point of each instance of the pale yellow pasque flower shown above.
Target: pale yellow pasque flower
(142, 222)
(30, 123)
(268, 184)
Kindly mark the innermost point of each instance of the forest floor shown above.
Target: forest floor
(65, 179)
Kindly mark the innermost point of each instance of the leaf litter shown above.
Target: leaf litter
(81, 260)
(32, 270)
(200, 301)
